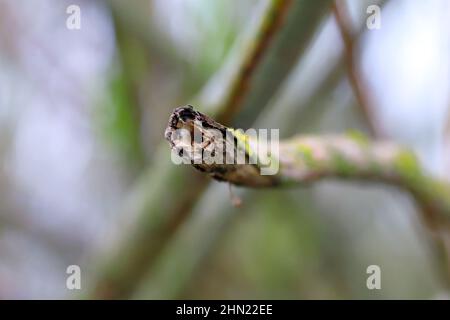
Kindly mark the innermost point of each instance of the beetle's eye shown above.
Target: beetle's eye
(186, 114)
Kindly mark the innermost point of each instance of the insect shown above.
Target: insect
(209, 139)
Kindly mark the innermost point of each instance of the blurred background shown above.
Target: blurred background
(86, 178)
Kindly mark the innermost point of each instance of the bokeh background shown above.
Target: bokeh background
(86, 178)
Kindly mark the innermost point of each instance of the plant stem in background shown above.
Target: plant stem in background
(305, 159)
(366, 104)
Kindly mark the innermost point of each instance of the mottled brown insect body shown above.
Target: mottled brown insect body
(210, 137)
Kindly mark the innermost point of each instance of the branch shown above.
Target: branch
(305, 159)
(248, 81)
(360, 88)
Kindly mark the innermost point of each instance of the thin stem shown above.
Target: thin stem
(271, 23)
(360, 87)
(163, 198)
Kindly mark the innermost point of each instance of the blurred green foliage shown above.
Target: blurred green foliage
(118, 122)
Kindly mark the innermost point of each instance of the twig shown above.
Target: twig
(152, 214)
(360, 88)
(200, 236)
(305, 159)
(365, 102)
(446, 143)
(202, 232)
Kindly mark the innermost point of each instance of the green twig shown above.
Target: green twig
(306, 159)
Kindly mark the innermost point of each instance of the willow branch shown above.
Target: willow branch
(247, 82)
(446, 143)
(357, 81)
(305, 159)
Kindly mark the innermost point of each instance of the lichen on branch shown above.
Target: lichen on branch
(307, 158)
